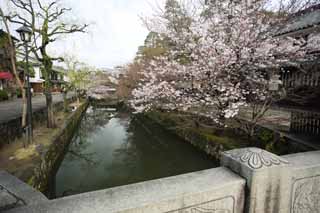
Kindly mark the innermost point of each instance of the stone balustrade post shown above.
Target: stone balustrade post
(268, 179)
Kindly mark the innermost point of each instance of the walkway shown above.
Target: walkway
(279, 119)
(10, 110)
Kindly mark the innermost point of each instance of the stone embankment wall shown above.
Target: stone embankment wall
(209, 143)
(214, 144)
(110, 103)
(52, 159)
(251, 180)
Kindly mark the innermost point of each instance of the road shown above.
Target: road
(10, 110)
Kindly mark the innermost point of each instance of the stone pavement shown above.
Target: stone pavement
(10, 110)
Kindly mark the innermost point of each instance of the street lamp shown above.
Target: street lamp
(25, 35)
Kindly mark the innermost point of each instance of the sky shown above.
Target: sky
(114, 34)
(115, 30)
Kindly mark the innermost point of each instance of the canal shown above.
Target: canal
(111, 149)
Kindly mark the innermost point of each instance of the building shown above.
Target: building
(37, 80)
(58, 78)
(301, 79)
(304, 73)
(6, 73)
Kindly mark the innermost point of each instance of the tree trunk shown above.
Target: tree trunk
(78, 97)
(49, 103)
(48, 88)
(65, 102)
(252, 131)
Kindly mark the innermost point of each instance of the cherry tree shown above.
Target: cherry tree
(222, 60)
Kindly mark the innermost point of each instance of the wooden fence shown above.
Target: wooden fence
(295, 79)
(306, 122)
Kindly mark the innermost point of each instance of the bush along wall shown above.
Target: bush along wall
(278, 143)
(3, 95)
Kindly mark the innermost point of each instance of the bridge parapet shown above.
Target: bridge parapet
(251, 180)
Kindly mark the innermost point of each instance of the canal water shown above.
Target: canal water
(111, 149)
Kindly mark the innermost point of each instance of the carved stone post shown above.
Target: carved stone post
(268, 179)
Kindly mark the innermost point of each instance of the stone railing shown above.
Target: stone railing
(251, 181)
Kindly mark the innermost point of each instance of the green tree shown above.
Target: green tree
(79, 80)
(153, 46)
(30, 67)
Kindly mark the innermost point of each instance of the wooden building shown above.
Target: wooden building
(306, 72)
(301, 79)
(6, 73)
(58, 76)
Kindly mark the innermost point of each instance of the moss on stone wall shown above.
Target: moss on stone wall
(213, 141)
(52, 159)
(205, 139)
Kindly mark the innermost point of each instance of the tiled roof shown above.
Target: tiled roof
(307, 18)
(4, 33)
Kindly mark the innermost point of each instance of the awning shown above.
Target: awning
(6, 75)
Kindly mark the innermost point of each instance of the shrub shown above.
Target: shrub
(3, 95)
(19, 93)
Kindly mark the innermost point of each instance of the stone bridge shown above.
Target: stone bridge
(250, 180)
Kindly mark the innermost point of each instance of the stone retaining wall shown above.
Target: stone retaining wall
(251, 180)
(199, 141)
(52, 159)
(269, 139)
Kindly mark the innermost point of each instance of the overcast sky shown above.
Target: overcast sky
(114, 34)
(115, 30)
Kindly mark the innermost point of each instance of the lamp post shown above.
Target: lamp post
(25, 35)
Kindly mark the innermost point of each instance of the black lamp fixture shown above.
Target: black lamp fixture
(25, 33)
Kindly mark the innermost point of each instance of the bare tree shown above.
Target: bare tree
(46, 19)
(293, 6)
(14, 69)
(129, 80)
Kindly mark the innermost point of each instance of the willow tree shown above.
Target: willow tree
(78, 74)
(48, 23)
(79, 80)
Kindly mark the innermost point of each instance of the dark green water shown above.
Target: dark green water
(110, 149)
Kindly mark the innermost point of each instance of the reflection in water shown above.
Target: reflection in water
(110, 149)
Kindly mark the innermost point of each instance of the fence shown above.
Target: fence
(305, 122)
